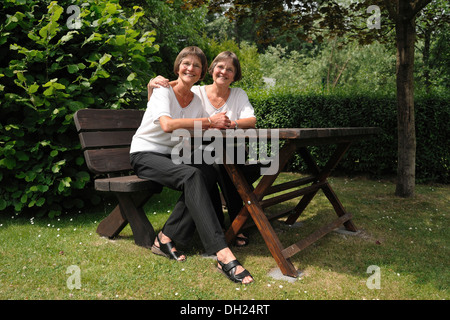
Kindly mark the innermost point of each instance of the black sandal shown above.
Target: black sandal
(165, 249)
(244, 239)
(229, 270)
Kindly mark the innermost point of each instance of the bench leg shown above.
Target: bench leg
(111, 226)
(143, 232)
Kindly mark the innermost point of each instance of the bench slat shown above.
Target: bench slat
(108, 160)
(99, 139)
(105, 136)
(105, 119)
(127, 184)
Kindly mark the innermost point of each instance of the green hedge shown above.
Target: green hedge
(377, 156)
(54, 60)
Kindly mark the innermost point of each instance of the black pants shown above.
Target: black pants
(194, 209)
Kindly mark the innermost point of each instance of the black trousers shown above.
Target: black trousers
(194, 209)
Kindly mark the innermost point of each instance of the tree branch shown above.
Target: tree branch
(418, 5)
(392, 12)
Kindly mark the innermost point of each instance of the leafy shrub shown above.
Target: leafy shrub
(334, 67)
(55, 59)
(376, 156)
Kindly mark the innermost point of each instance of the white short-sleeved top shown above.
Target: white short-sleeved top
(163, 102)
(237, 105)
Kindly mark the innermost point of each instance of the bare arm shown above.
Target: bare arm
(219, 121)
(244, 123)
(168, 124)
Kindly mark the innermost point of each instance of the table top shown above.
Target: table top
(297, 133)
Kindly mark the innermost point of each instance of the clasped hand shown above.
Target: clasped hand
(220, 121)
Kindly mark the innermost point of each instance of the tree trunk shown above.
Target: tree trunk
(405, 37)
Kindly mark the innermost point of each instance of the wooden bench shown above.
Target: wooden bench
(105, 137)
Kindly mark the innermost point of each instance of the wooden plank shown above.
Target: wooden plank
(134, 184)
(113, 224)
(108, 160)
(143, 232)
(338, 207)
(301, 206)
(251, 201)
(321, 176)
(334, 160)
(101, 139)
(299, 134)
(127, 184)
(317, 133)
(261, 221)
(290, 195)
(234, 172)
(311, 163)
(289, 185)
(286, 152)
(305, 242)
(271, 217)
(105, 119)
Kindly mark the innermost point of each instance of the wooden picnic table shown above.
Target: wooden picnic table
(296, 140)
(105, 137)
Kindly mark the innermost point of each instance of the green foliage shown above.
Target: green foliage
(377, 156)
(440, 60)
(177, 27)
(433, 136)
(54, 60)
(335, 67)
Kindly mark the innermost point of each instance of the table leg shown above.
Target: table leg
(262, 223)
(266, 182)
(338, 207)
(322, 176)
(252, 206)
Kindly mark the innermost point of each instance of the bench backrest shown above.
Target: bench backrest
(105, 137)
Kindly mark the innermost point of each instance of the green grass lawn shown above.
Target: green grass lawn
(407, 239)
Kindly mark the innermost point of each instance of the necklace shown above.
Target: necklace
(216, 99)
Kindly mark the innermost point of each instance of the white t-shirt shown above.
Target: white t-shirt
(236, 107)
(163, 102)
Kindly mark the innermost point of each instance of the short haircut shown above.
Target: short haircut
(191, 51)
(228, 55)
